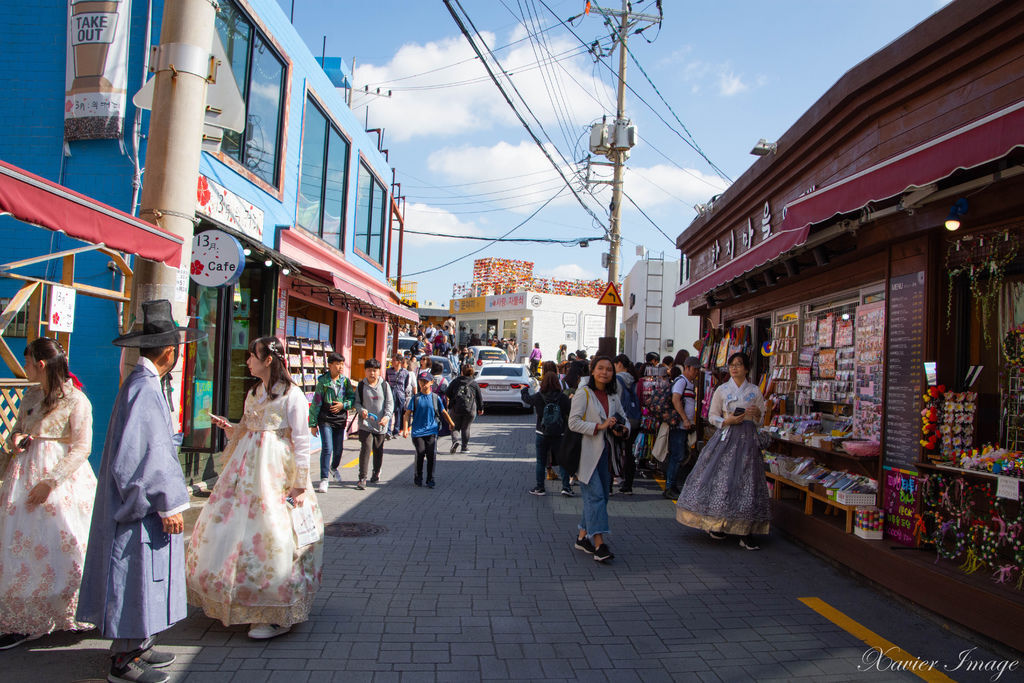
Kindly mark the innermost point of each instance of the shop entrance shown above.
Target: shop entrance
(364, 345)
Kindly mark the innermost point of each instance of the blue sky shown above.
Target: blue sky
(733, 72)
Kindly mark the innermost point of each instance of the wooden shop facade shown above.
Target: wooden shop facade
(832, 261)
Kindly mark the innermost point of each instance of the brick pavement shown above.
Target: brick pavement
(477, 580)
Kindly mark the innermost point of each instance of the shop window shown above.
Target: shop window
(324, 178)
(371, 214)
(259, 73)
(18, 327)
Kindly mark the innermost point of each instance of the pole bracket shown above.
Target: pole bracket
(182, 57)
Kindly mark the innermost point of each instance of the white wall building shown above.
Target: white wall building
(529, 317)
(649, 320)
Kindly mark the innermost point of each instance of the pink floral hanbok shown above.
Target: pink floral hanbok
(42, 547)
(242, 565)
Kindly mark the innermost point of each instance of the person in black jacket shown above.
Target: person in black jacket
(465, 402)
(549, 437)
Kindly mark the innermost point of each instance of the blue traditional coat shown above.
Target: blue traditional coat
(133, 583)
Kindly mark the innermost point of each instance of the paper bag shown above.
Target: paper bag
(304, 524)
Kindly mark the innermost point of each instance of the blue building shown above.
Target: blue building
(305, 190)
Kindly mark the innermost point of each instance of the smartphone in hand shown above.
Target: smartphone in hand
(739, 411)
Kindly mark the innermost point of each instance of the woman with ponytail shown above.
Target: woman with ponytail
(243, 564)
(46, 501)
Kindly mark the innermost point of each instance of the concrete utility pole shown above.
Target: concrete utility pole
(182, 65)
(615, 145)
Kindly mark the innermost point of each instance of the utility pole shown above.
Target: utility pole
(617, 153)
(183, 66)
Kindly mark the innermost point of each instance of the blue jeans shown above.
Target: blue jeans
(332, 439)
(595, 498)
(546, 448)
(396, 423)
(678, 466)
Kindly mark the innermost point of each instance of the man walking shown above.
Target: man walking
(328, 415)
(466, 402)
(133, 579)
(684, 402)
(398, 379)
(375, 408)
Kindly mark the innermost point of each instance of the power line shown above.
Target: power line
(649, 219)
(506, 234)
(538, 240)
(477, 182)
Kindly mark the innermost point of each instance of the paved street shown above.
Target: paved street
(477, 580)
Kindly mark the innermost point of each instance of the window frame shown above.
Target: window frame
(362, 249)
(312, 99)
(259, 28)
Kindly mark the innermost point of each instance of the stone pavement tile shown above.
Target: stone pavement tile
(493, 668)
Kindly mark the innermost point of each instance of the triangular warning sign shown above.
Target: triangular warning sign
(610, 297)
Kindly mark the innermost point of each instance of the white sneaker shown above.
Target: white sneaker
(265, 631)
(336, 475)
(322, 488)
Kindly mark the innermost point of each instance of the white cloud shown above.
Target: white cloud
(568, 271)
(425, 218)
(452, 101)
(730, 84)
(663, 184)
(700, 75)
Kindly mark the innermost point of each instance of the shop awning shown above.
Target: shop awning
(987, 139)
(366, 296)
(38, 201)
(765, 251)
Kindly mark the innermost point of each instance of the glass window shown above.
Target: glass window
(371, 215)
(259, 73)
(311, 180)
(335, 189)
(324, 178)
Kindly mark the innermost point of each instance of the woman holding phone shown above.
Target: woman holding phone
(726, 492)
(45, 502)
(244, 564)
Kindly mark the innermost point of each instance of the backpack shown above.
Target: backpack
(659, 402)
(464, 398)
(630, 403)
(551, 419)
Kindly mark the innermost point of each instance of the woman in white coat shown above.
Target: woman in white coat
(597, 414)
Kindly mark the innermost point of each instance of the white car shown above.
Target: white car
(482, 355)
(502, 384)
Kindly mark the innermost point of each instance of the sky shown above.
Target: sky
(731, 72)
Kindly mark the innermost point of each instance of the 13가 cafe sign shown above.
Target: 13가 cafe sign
(217, 259)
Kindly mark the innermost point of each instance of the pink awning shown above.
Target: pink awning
(38, 201)
(362, 294)
(765, 251)
(987, 139)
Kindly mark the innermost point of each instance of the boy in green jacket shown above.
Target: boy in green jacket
(328, 415)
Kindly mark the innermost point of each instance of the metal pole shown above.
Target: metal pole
(173, 151)
(611, 334)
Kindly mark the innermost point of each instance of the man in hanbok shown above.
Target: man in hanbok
(133, 583)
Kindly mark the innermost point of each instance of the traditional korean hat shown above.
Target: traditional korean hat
(159, 329)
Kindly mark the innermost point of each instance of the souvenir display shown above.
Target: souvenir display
(869, 342)
(783, 355)
(957, 423)
(868, 523)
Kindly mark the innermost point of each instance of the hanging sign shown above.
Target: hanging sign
(62, 309)
(610, 297)
(217, 259)
(229, 209)
(96, 76)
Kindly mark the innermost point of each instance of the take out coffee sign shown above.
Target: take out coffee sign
(217, 259)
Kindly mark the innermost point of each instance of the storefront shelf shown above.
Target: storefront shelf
(808, 496)
(868, 466)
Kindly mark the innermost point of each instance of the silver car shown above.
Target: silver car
(502, 384)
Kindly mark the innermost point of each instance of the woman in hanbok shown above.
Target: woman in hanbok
(45, 501)
(244, 564)
(726, 492)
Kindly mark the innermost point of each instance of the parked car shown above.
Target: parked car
(502, 383)
(405, 343)
(448, 369)
(482, 355)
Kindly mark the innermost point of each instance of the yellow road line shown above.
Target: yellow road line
(903, 660)
(349, 464)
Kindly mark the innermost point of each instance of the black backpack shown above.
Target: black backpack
(464, 398)
(551, 419)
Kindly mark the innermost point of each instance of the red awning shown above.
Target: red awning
(987, 139)
(38, 201)
(362, 294)
(763, 252)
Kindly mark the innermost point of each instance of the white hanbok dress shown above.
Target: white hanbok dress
(42, 547)
(243, 565)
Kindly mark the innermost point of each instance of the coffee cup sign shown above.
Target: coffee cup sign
(217, 259)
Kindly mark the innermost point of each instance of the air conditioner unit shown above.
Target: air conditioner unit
(599, 134)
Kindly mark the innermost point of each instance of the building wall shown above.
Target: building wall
(678, 329)
(32, 69)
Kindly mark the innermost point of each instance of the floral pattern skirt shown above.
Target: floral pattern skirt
(42, 547)
(726, 492)
(242, 565)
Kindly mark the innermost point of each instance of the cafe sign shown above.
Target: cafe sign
(96, 74)
(217, 259)
(227, 208)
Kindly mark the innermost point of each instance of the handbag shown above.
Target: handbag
(568, 456)
(304, 526)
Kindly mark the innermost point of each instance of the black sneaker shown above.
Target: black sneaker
(568, 493)
(9, 640)
(157, 659)
(585, 545)
(537, 491)
(671, 494)
(418, 481)
(375, 478)
(626, 492)
(430, 483)
(602, 554)
(135, 670)
(464, 449)
(455, 447)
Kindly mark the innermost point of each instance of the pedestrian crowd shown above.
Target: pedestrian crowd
(79, 551)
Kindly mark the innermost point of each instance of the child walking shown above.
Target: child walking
(423, 414)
